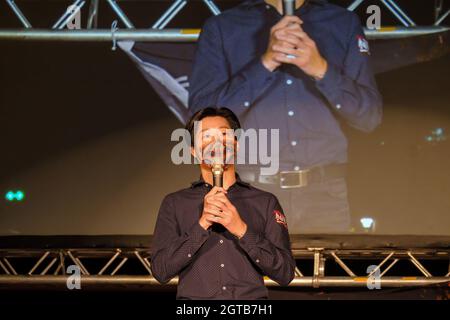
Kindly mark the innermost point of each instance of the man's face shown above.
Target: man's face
(214, 141)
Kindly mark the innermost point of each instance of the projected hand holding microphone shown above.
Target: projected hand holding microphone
(290, 44)
(282, 37)
(288, 10)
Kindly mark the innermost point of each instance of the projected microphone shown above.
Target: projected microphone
(288, 10)
(288, 7)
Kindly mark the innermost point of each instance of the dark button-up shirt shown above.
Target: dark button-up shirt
(213, 263)
(228, 72)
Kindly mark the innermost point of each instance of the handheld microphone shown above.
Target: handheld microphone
(288, 7)
(217, 172)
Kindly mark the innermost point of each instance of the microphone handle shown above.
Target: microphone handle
(288, 7)
(218, 180)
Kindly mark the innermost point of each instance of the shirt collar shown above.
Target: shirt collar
(201, 181)
(252, 3)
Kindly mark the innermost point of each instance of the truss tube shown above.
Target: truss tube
(62, 21)
(122, 16)
(212, 6)
(144, 262)
(109, 262)
(389, 267)
(169, 35)
(39, 262)
(395, 13)
(176, 10)
(71, 16)
(93, 15)
(342, 265)
(419, 266)
(78, 263)
(19, 14)
(4, 268)
(9, 265)
(354, 5)
(176, 35)
(149, 282)
(49, 266)
(169, 14)
(401, 12)
(382, 263)
(442, 18)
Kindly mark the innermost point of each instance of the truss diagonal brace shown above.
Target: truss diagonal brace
(169, 14)
(19, 14)
(69, 14)
(122, 16)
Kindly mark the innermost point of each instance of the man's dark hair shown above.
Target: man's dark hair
(226, 113)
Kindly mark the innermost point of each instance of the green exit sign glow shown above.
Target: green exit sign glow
(17, 195)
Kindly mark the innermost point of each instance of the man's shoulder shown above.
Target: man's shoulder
(180, 194)
(241, 14)
(334, 13)
(235, 16)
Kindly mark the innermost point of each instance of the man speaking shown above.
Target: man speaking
(220, 241)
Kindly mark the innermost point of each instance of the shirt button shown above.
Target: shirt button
(338, 106)
(246, 103)
(224, 288)
(288, 82)
(257, 260)
(294, 143)
(267, 6)
(290, 113)
(296, 168)
(222, 265)
(221, 241)
(189, 255)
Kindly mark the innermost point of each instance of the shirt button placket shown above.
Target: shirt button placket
(290, 112)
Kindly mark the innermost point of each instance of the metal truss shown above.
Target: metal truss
(157, 32)
(48, 268)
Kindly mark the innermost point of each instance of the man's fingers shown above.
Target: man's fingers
(302, 35)
(211, 218)
(215, 190)
(293, 27)
(288, 39)
(287, 20)
(216, 203)
(222, 197)
(290, 51)
(213, 211)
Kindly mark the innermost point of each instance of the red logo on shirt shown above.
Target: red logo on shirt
(280, 218)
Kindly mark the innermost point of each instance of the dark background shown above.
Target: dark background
(88, 140)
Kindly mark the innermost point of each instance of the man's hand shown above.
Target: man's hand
(209, 209)
(279, 38)
(217, 208)
(302, 51)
